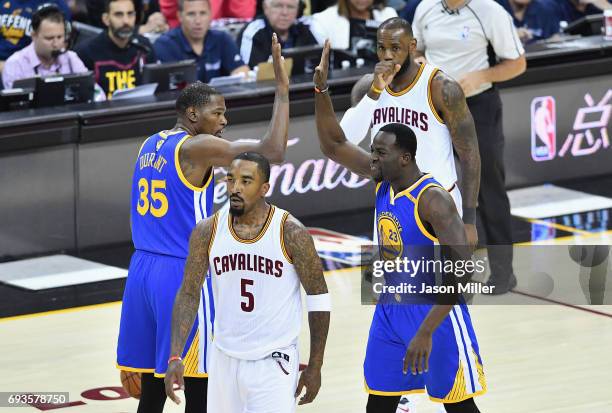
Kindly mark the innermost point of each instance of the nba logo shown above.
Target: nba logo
(543, 128)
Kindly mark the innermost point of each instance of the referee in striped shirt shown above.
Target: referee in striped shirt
(475, 42)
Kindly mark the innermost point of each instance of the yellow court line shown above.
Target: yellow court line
(63, 310)
(558, 226)
(92, 306)
(566, 238)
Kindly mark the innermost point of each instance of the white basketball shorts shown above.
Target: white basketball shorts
(253, 386)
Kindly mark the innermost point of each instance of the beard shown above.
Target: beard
(405, 66)
(124, 32)
(237, 212)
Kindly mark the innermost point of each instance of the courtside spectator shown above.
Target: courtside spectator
(280, 17)
(15, 24)
(215, 51)
(117, 55)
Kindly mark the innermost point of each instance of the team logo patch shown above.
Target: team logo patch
(389, 237)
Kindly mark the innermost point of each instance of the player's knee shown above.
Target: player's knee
(466, 406)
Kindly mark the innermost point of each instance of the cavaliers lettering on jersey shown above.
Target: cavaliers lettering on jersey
(255, 287)
(165, 206)
(414, 108)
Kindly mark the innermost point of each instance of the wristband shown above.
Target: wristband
(171, 359)
(319, 302)
(375, 89)
(469, 216)
(317, 90)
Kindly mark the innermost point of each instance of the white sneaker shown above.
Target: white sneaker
(406, 405)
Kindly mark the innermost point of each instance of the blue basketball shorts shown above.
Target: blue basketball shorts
(455, 366)
(146, 313)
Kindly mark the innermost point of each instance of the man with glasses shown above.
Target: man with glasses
(280, 17)
(214, 51)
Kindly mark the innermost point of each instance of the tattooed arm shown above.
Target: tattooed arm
(300, 247)
(187, 301)
(450, 103)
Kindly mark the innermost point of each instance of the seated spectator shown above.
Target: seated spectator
(346, 25)
(280, 17)
(15, 24)
(572, 10)
(407, 13)
(148, 18)
(535, 19)
(47, 54)
(215, 52)
(241, 9)
(117, 55)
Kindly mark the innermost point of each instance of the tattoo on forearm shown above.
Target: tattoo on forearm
(300, 246)
(460, 124)
(188, 297)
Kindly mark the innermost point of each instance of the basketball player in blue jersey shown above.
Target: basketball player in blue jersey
(172, 191)
(411, 347)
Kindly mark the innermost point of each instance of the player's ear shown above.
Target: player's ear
(105, 19)
(406, 158)
(265, 188)
(191, 114)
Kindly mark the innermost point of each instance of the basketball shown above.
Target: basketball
(131, 383)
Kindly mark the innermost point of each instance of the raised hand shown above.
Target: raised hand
(280, 74)
(321, 71)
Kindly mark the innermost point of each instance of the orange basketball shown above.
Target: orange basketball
(131, 383)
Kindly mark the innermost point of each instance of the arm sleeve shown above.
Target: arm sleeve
(10, 73)
(231, 56)
(356, 121)
(162, 50)
(77, 64)
(502, 34)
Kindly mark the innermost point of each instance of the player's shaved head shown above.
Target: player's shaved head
(396, 23)
(263, 165)
(195, 95)
(405, 138)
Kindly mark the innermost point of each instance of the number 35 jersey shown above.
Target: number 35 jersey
(255, 287)
(165, 206)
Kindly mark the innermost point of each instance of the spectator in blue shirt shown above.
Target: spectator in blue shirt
(572, 10)
(215, 52)
(535, 19)
(16, 24)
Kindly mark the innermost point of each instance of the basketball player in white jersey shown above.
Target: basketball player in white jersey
(258, 255)
(429, 102)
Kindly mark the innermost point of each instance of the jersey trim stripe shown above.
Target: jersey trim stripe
(417, 218)
(377, 187)
(407, 191)
(179, 171)
(142, 146)
(410, 86)
(261, 233)
(213, 232)
(429, 98)
(134, 369)
(282, 237)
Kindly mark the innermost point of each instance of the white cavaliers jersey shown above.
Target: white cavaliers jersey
(414, 108)
(259, 308)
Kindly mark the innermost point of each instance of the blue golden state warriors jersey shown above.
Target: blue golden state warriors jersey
(397, 220)
(165, 206)
(401, 234)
